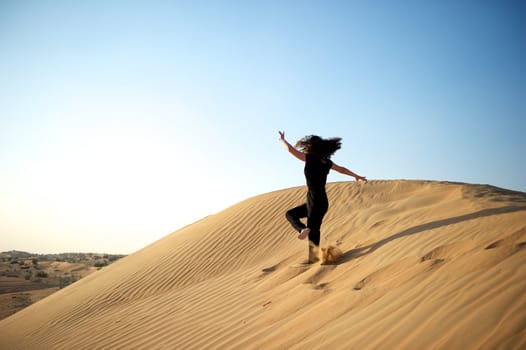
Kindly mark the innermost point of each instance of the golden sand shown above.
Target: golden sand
(424, 265)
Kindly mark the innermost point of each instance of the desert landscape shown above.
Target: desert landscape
(425, 265)
(26, 277)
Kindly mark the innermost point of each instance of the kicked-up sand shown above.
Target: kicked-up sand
(423, 265)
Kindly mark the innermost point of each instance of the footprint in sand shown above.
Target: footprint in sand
(314, 277)
(394, 275)
(515, 238)
(321, 285)
(269, 269)
(360, 284)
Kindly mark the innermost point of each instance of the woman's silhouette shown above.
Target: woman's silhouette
(316, 153)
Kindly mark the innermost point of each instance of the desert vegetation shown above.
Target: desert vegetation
(26, 277)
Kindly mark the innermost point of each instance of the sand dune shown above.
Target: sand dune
(426, 265)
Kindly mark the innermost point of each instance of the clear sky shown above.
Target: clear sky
(122, 121)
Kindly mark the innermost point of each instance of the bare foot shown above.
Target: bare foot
(304, 233)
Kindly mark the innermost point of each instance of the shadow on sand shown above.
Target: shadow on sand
(359, 252)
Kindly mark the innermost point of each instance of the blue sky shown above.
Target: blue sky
(121, 121)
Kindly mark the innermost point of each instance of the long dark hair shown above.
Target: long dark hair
(315, 145)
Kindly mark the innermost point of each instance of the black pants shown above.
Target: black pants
(314, 210)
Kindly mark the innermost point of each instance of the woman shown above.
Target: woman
(316, 153)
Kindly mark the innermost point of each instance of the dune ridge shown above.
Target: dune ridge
(425, 265)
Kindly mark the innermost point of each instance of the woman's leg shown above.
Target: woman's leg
(314, 234)
(314, 220)
(295, 214)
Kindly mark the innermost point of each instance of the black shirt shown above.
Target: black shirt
(316, 170)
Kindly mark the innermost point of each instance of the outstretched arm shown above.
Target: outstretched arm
(345, 171)
(289, 148)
